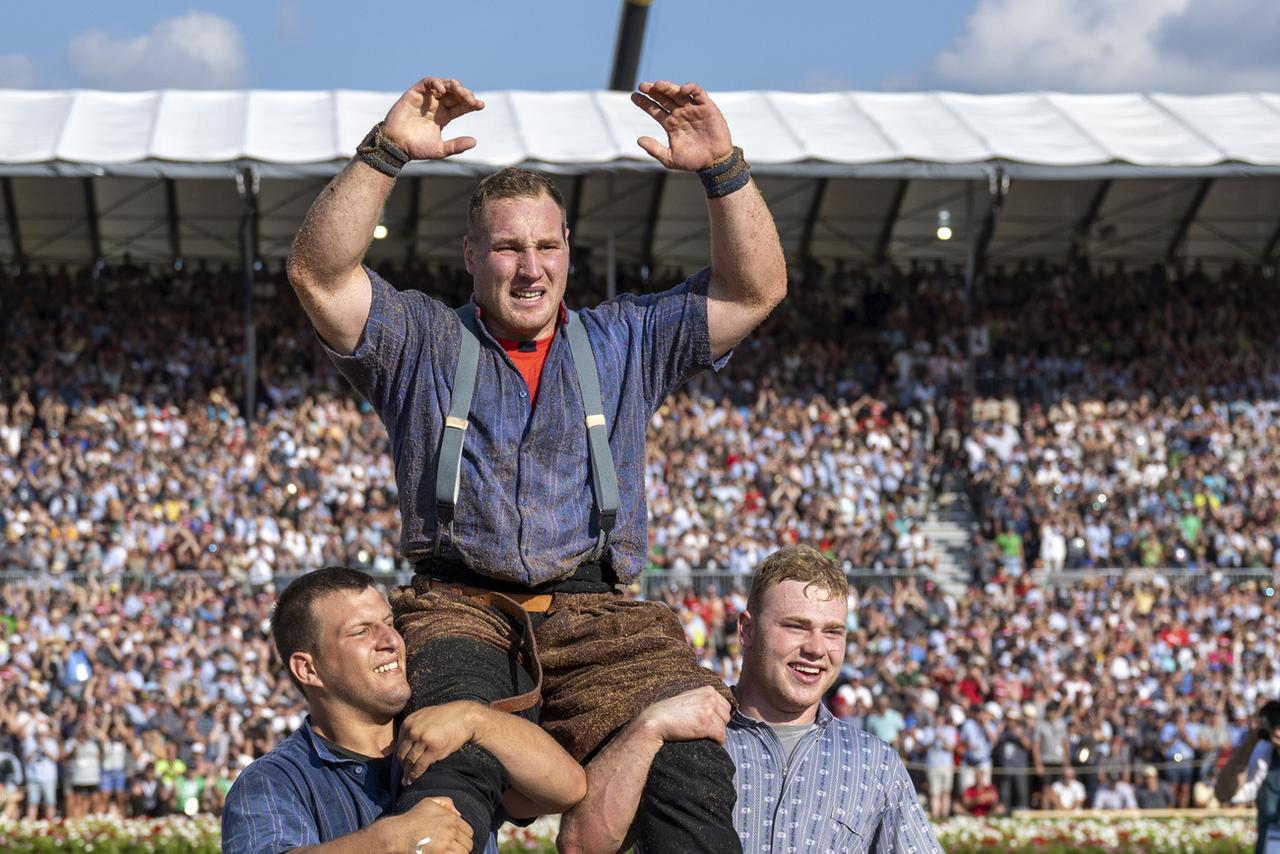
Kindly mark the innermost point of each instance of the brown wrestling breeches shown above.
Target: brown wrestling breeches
(603, 657)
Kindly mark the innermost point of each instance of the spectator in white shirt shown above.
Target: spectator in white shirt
(1068, 793)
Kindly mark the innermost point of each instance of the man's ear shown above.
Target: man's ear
(468, 251)
(303, 667)
(746, 629)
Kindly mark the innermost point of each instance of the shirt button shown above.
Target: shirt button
(360, 770)
(524, 393)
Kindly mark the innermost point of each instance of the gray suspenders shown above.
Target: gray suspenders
(604, 478)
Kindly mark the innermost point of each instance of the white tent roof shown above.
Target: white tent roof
(940, 134)
(855, 175)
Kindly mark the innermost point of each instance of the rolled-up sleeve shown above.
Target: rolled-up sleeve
(675, 342)
(264, 814)
(405, 329)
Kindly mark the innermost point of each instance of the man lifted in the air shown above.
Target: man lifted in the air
(506, 450)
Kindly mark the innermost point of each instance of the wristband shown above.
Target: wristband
(381, 153)
(727, 175)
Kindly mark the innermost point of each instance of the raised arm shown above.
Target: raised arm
(544, 779)
(1232, 777)
(617, 775)
(748, 271)
(325, 261)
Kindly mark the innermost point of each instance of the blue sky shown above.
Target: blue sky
(804, 45)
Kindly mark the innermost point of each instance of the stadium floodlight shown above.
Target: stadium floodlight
(944, 224)
(379, 232)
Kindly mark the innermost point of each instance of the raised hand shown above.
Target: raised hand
(416, 121)
(697, 134)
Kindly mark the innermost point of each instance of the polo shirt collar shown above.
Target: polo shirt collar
(322, 750)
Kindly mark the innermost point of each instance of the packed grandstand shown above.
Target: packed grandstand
(147, 523)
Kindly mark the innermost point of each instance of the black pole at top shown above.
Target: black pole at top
(626, 54)
(247, 184)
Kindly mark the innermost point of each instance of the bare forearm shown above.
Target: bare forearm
(1229, 777)
(544, 778)
(339, 226)
(615, 783)
(374, 839)
(748, 270)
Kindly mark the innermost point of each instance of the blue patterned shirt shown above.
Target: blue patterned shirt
(844, 790)
(302, 793)
(524, 510)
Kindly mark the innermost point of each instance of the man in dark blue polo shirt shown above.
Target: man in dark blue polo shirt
(328, 783)
(523, 551)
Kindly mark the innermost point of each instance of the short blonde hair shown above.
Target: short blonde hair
(796, 563)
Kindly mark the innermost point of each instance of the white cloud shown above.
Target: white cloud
(17, 71)
(1113, 46)
(195, 51)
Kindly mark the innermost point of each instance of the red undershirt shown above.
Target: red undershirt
(529, 361)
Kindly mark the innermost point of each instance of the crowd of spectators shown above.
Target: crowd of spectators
(148, 520)
(123, 447)
(1155, 443)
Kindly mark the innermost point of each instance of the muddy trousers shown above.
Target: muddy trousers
(688, 800)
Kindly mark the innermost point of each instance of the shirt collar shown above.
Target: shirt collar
(823, 718)
(318, 746)
(322, 750)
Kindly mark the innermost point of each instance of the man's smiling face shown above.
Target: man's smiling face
(793, 648)
(361, 659)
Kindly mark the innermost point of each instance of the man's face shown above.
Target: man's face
(518, 259)
(792, 649)
(361, 660)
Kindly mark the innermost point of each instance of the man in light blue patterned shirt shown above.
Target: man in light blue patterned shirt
(806, 781)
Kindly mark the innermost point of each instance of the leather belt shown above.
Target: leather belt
(533, 603)
(517, 606)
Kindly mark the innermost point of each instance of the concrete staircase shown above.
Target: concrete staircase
(949, 526)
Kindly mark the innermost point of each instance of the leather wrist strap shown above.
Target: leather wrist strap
(727, 175)
(381, 153)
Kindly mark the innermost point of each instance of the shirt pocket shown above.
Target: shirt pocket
(840, 838)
